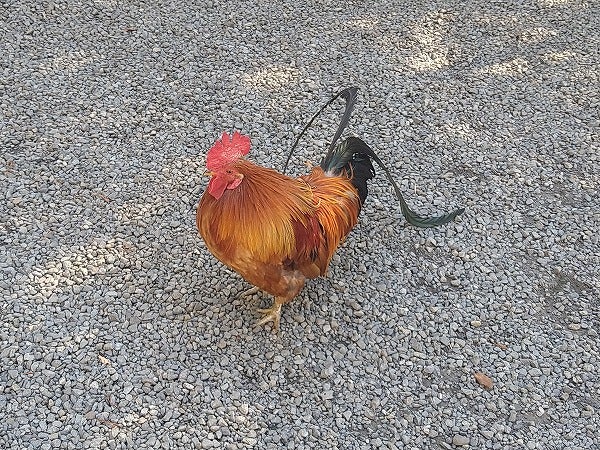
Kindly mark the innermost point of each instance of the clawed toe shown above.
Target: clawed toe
(251, 291)
(272, 314)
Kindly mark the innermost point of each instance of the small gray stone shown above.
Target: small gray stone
(460, 440)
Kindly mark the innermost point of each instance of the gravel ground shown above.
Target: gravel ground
(119, 330)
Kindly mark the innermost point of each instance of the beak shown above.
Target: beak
(208, 173)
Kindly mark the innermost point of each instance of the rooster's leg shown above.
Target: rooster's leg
(272, 314)
(251, 291)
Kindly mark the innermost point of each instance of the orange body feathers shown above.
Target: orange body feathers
(274, 230)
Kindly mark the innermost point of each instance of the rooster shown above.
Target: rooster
(277, 231)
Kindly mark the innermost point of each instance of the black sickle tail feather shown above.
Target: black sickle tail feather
(361, 170)
(348, 157)
(354, 156)
(348, 94)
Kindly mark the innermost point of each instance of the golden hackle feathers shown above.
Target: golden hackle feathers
(256, 216)
(337, 210)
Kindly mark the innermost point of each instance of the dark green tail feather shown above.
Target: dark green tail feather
(347, 150)
(341, 156)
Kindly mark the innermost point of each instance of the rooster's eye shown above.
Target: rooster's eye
(229, 171)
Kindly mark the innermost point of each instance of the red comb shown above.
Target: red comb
(226, 150)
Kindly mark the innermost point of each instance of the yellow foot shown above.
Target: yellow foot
(271, 314)
(251, 291)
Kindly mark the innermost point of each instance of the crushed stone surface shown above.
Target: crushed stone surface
(118, 329)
